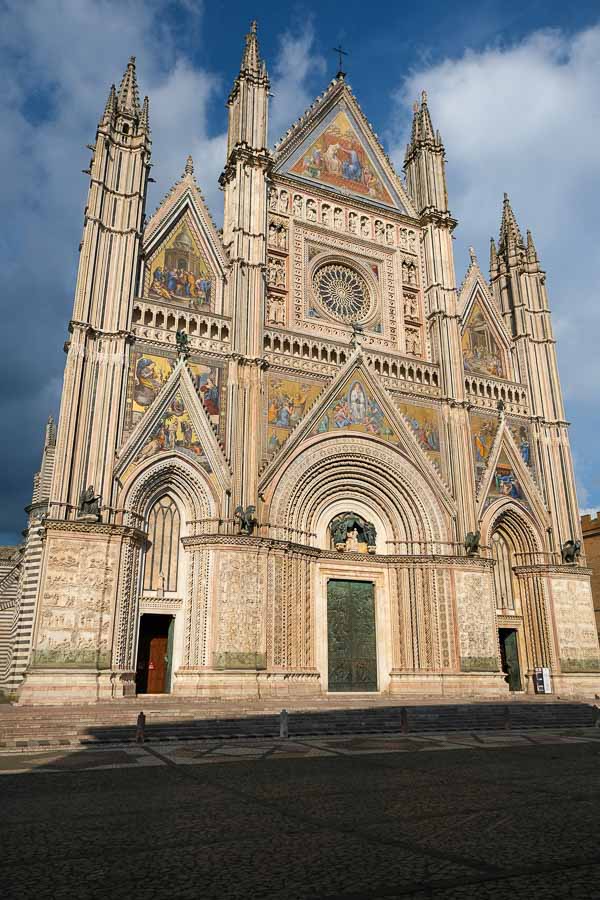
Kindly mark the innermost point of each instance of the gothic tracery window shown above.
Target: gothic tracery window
(162, 553)
(342, 292)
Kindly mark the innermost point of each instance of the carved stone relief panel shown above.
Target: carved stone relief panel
(476, 622)
(575, 625)
(77, 601)
(241, 610)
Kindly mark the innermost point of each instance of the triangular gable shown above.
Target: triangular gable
(508, 477)
(485, 351)
(484, 430)
(355, 401)
(183, 217)
(176, 423)
(149, 372)
(486, 343)
(334, 147)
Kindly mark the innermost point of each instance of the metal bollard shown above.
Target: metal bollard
(404, 720)
(283, 724)
(140, 728)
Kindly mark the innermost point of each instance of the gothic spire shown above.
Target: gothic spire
(510, 236)
(251, 61)
(426, 123)
(128, 98)
(189, 167)
(50, 438)
(422, 127)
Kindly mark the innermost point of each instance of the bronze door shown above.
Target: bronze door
(351, 636)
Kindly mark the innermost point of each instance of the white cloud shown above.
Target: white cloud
(523, 119)
(296, 65)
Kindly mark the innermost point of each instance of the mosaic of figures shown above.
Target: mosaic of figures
(148, 374)
(287, 403)
(175, 431)
(425, 425)
(481, 352)
(179, 272)
(356, 410)
(338, 219)
(505, 482)
(339, 158)
(521, 433)
(483, 434)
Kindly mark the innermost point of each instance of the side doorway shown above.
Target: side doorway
(155, 654)
(509, 655)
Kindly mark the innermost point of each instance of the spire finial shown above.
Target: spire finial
(189, 166)
(510, 236)
(473, 256)
(251, 55)
(424, 98)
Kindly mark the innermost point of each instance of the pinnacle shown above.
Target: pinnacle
(111, 105)
(189, 166)
(510, 236)
(493, 258)
(532, 256)
(251, 61)
(145, 117)
(128, 96)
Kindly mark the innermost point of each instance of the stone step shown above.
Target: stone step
(105, 724)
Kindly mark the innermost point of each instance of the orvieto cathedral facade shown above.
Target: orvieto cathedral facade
(294, 457)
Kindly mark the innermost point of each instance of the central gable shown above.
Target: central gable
(337, 154)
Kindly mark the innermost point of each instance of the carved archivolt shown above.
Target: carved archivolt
(361, 469)
(171, 476)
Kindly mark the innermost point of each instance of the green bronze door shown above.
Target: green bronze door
(351, 636)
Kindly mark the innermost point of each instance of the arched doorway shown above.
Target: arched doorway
(519, 591)
(160, 577)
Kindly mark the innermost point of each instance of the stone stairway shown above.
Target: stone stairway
(178, 719)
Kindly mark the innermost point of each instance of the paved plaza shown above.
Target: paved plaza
(467, 815)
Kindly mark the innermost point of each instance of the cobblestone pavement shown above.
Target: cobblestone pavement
(497, 816)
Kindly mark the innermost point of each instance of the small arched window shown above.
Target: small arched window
(162, 551)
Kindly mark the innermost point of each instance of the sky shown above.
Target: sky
(512, 87)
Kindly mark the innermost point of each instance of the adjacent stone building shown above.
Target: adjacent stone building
(590, 527)
(293, 457)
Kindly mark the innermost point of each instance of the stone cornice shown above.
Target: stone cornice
(262, 544)
(565, 571)
(75, 527)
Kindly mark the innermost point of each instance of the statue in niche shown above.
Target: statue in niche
(570, 552)
(89, 504)
(311, 211)
(352, 533)
(284, 202)
(297, 205)
(272, 199)
(352, 222)
(247, 521)
(338, 219)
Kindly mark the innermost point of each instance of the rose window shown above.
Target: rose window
(342, 292)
